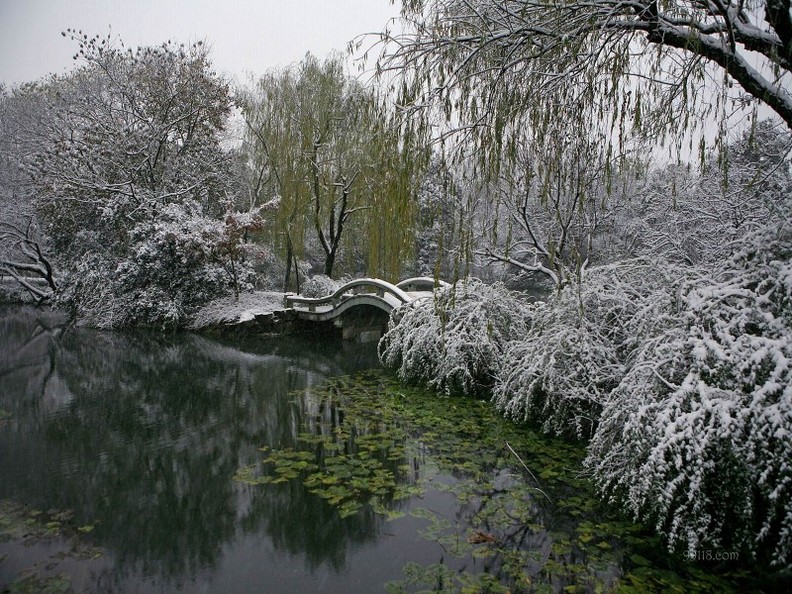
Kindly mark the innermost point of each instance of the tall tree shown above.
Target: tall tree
(131, 181)
(441, 223)
(328, 147)
(24, 249)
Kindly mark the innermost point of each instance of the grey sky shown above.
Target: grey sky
(246, 36)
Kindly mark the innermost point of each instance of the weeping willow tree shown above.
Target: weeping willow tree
(343, 168)
(501, 79)
(657, 68)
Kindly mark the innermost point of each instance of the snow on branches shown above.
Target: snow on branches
(561, 372)
(134, 187)
(698, 434)
(175, 264)
(23, 257)
(681, 378)
(319, 285)
(456, 341)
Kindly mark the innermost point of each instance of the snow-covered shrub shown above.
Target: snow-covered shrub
(698, 435)
(173, 268)
(87, 293)
(456, 340)
(581, 343)
(319, 285)
(173, 265)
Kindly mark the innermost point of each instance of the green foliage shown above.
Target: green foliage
(333, 152)
(55, 531)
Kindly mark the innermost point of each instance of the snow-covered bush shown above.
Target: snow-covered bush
(87, 293)
(174, 265)
(456, 340)
(171, 270)
(582, 341)
(698, 435)
(319, 285)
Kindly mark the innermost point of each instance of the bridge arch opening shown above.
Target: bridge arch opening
(363, 323)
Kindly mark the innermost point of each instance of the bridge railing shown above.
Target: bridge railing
(421, 283)
(346, 291)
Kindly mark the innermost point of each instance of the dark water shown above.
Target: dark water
(140, 436)
(121, 454)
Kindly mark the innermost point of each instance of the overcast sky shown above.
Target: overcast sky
(246, 36)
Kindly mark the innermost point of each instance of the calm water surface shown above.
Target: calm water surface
(140, 436)
(134, 463)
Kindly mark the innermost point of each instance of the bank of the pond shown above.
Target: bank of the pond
(266, 325)
(265, 314)
(260, 314)
(686, 428)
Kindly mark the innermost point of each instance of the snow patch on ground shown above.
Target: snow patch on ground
(230, 310)
(247, 315)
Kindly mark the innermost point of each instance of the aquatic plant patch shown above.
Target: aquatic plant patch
(506, 507)
(29, 527)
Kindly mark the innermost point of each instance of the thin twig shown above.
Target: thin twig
(528, 470)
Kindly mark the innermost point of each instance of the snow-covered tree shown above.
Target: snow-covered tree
(455, 341)
(24, 248)
(441, 223)
(24, 257)
(694, 217)
(697, 437)
(132, 146)
(546, 207)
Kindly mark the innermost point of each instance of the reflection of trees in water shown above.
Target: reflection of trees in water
(299, 522)
(150, 437)
(27, 355)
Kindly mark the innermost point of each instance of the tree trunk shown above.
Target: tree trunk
(330, 263)
(289, 257)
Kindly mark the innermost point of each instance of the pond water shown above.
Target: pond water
(139, 462)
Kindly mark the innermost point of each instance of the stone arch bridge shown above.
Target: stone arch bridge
(362, 307)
